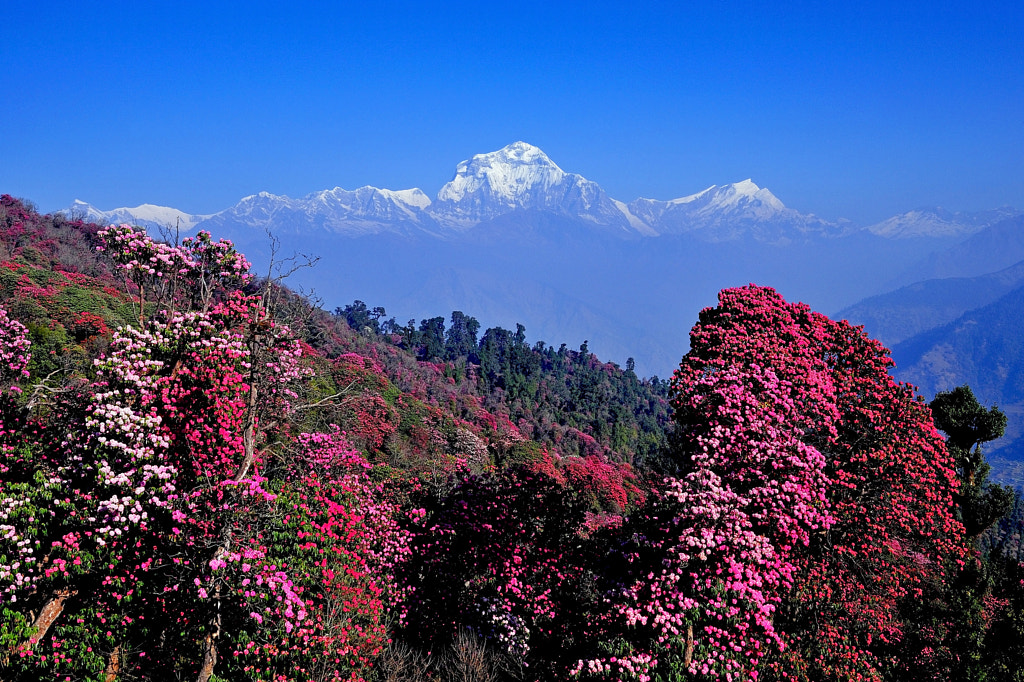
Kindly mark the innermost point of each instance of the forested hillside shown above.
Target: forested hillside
(204, 476)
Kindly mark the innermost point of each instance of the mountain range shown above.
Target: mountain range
(521, 177)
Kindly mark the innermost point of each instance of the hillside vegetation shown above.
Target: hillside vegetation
(204, 476)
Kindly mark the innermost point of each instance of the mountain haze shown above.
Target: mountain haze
(626, 276)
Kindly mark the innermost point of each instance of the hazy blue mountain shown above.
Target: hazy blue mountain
(898, 315)
(939, 222)
(985, 349)
(993, 248)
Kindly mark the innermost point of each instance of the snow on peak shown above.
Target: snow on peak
(410, 197)
(732, 196)
(515, 154)
(413, 197)
(146, 215)
(693, 197)
(747, 192)
(507, 174)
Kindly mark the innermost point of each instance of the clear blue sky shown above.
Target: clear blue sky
(858, 110)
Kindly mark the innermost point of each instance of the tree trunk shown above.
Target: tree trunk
(210, 641)
(688, 654)
(142, 306)
(48, 615)
(248, 433)
(113, 665)
(209, 658)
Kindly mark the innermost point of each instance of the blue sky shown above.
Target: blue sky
(858, 111)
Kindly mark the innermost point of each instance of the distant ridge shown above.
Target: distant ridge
(938, 222)
(146, 215)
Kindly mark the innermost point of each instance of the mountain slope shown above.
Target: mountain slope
(405, 406)
(994, 248)
(982, 348)
(898, 315)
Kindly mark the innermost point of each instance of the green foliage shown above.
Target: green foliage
(968, 425)
(549, 394)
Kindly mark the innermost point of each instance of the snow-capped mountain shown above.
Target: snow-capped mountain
(146, 215)
(521, 176)
(939, 222)
(727, 212)
(367, 210)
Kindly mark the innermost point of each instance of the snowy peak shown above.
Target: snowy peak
(507, 172)
(370, 201)
(521, 176)
(733, 196)
(731, 212)
(508, 176)
(411, 197)
(149, 216)
(939, 222)
(367, 210)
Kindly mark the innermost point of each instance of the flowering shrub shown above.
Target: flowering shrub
(342, 544)
(707, 564)
(604, 485)
(14, 350)
(502, 555)
(187, 275)
(888, 480)
(140, 533)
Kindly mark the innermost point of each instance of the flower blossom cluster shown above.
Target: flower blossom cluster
(190, 273)
(713, 558)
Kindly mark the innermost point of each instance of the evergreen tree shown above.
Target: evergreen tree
(432, 338)
(967, 425)
(461, 339)
(360, 317)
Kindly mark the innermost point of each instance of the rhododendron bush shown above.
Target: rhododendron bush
(141, 536)
(872, 518)
(708, 563)
(502, 555)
